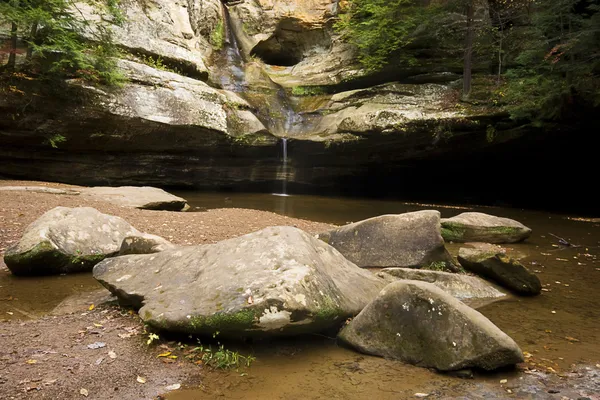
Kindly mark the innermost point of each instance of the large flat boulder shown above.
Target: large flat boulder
(480, 227)
(146, 198)
(65, 240)
(469, 289)
(420, 324)
(409, 240)
(277, 281)
(492, 263)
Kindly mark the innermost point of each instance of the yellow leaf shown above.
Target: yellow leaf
(173, 357)
(140, 379)
(31, 361)
(97, 325)
(168, 353)
(90, 308)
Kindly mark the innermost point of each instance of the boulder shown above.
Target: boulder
(145, 198)
(146, 244)
(420, 324)
(410, 240)
(480, 227)
(38, 189)
(492, 263)
(469, 289)
(277, 281)
(66, 240)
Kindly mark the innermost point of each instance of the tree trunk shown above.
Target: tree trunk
(468, 52)
(32, 35)
(12, 56)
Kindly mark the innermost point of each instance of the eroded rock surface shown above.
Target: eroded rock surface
(420, 324)
(469, 289)
(276, 281)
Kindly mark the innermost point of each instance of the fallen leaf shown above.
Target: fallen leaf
(168, 353)
(571, 339)
(553, 312)
(173, 357)
(97, 325)
(124, 335)
(175, 386)
(84, 392)
(112, 354)
(140, 379)
(503, 381)
(49, 382)
(548, 331)
(31, 361)
(90, 308)
(99, 361)
(96, 345)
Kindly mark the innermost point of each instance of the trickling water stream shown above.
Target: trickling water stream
(283, 173)
(247, 78)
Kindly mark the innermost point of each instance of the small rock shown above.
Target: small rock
(112, 354)
(141, 379)
(503, 381)
(175, 386)
(84, 392)
(96, 345)
(421, 395)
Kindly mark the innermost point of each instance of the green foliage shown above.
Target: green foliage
(55, 140)
(157, 63)
(54, 32)
(558, 67)
(222, 358)
(217, 36)
(380, 27)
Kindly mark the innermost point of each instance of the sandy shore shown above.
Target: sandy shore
(19, 209)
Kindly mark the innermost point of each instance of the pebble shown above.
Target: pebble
(503, 381)
(421, 395)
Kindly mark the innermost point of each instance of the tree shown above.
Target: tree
(558, 75)
(380, 27)
(53, 31)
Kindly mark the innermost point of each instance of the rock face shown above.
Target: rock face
(66, 240)
(145, 198)
(469, 289)
(420, 324)
(405, 240)
(277, 281)
(480, 227)
(489, 262)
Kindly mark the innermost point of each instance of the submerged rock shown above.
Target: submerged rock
(145, 198)
(466, 288)
(410, 240)
(492, 263)
(277, 281)
(420, 324)
(480, 227)
(65, 240)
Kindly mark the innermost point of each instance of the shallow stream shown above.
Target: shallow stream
(559, 328)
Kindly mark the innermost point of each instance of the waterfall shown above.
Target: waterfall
(247, 78)
(283, 172)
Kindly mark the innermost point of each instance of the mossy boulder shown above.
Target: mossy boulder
(66, 240)
(277, 281)
(480, 227)
(418, 323)
(410, 240)
(491, 262)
